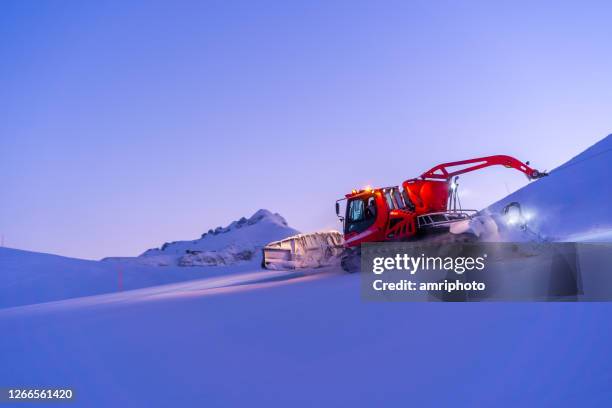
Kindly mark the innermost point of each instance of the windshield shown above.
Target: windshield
(360, 214)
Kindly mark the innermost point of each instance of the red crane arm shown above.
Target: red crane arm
(444, 171)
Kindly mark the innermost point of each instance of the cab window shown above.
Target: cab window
(389, 200)
(360, 214)
(356, 210)
(398, 199)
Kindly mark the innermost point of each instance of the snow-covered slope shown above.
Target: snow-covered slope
(304, 342)
(241, 241)
(30, 277)
(574, 200)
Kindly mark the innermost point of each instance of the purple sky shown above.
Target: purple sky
(127, 125)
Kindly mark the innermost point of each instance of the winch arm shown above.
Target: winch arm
(444, 171)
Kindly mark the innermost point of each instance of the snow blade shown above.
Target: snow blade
(303, 251)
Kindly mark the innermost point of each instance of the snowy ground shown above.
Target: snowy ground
(30, 277)
(306, 340)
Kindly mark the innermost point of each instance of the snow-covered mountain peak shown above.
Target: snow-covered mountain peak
(260, 216)
(240, 241)
(266, 216)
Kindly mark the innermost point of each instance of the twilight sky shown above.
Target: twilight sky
(127, 124)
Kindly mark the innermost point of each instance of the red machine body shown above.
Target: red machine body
(427, 195)
(421, 206)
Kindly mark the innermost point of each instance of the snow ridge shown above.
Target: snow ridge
(572, 199)
(240, 241)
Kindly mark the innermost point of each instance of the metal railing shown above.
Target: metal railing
(444, 218)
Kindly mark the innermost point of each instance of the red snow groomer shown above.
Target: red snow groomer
(425, 205)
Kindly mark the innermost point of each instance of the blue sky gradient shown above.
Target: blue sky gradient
(127, 124)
